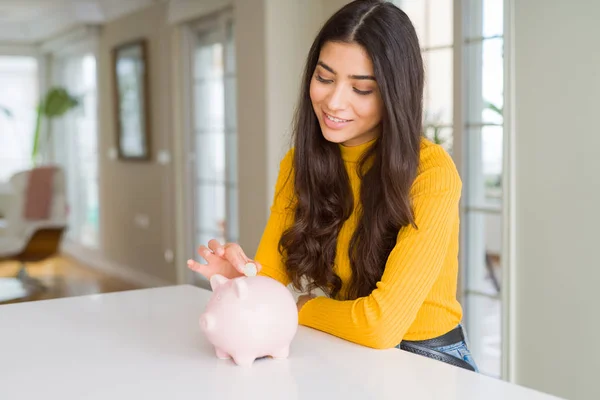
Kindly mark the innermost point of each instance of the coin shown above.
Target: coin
(250, 269)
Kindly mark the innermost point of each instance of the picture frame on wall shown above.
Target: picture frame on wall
(131, 99)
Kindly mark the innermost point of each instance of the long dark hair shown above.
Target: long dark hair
(324, 199)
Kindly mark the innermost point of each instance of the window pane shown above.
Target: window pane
(76, 148)
(484, 330)
(18, 101)
(88, 150)
(439, 135)
(433, 20)
(439, 23)
(210, 156)
(486, 19)
(484, 165)
(486, 84)
(415, 9)
(230, 49)
(209, 62)
(438, 94)
(216, 134)
(231, 143)
(211, 216)
(484, 247)
(230, 104)
(232, 220)
(493, 17)
(209, 105)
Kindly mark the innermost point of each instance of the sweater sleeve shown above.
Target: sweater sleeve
(381, 319)
(280, 219)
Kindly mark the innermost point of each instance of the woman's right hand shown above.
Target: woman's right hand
(228, 260)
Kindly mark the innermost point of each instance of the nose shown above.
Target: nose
(336, 100)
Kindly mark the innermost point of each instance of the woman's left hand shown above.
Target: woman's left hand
(303, 299)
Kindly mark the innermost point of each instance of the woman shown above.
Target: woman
(366, 209)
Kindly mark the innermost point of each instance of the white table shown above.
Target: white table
(146, 344)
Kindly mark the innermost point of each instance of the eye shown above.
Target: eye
(323, 80)
(363, 92)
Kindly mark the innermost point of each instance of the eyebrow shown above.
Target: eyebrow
(362, 77)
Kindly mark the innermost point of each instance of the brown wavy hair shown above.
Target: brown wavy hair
(324, 199)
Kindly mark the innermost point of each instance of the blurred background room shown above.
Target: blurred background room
(131, 131)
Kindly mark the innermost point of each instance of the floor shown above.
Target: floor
(65, 277)
(490, 342)
(485, 329)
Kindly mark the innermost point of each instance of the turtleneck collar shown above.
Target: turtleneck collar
(353, 153)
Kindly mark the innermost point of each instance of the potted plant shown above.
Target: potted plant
(55, 104)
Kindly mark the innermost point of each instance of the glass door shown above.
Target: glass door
(76, 147)
(214, 137)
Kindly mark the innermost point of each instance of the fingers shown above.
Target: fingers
(204, 269)
(201, 268)
(236, 256)
(206, 253)
(216, 247)
(231, 252)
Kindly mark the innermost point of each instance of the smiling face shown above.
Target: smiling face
(345, 96)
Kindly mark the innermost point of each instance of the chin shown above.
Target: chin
(333, 136)
(334, 139)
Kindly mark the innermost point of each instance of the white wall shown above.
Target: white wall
(557, 73)
(131, 189)
(290, 30)
(331, 6)
(252, 112)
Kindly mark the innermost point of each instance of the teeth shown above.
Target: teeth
(335, 119)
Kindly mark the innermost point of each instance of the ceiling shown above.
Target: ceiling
(32, 21)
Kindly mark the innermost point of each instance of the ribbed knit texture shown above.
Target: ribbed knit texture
(416, 296)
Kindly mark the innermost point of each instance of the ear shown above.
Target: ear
(241, 288)
(207, 322)
(216, 281)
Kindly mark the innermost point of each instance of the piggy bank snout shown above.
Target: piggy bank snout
(207, 322)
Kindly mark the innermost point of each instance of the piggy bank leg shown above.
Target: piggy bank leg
(222, 354)
(243, 359)
(281, 353)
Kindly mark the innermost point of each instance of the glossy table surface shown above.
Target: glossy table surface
(147, 344)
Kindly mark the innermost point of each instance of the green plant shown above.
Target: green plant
(432, 128)
(55, 104)
(6, 111)
(433, 133)
(493, 107)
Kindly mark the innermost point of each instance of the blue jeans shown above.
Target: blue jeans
(459, 350)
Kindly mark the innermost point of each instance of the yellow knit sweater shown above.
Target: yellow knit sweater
(416, 296)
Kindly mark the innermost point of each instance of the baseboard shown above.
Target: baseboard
(95, 260)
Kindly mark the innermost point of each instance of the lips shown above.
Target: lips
(334, 122)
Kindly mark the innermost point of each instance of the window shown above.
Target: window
(76, 146)
(483, 137)
(480, 76)
(19, 96)
(214, 134)
(434, 26)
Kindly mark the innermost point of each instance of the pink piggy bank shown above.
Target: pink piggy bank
(249, 317)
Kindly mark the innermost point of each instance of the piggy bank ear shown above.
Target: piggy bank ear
(241, 288)
(216, 281)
